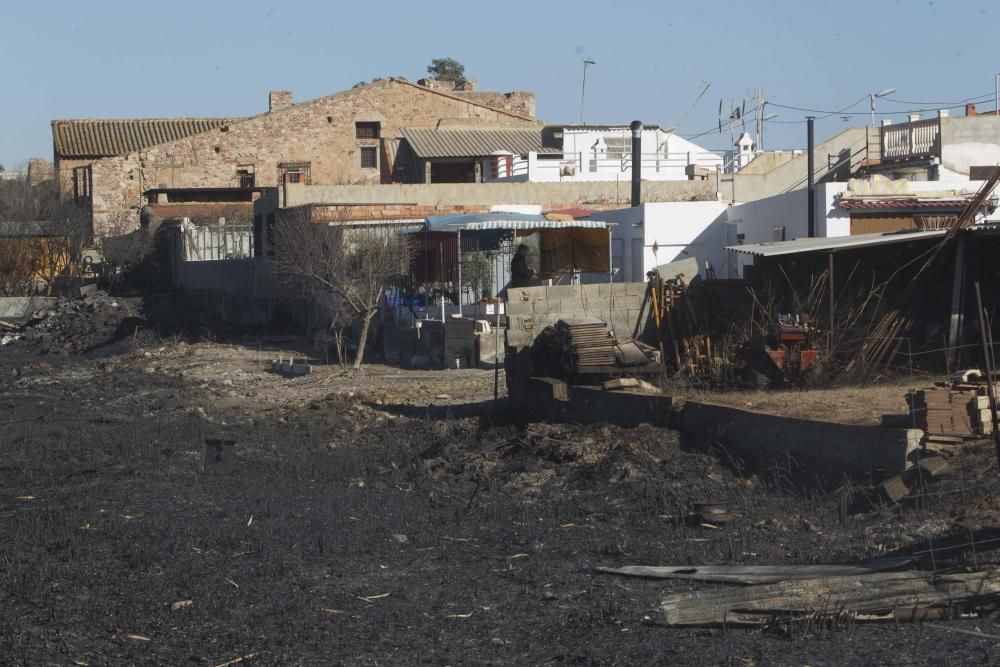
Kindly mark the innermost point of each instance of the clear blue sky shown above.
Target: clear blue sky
(115, 59)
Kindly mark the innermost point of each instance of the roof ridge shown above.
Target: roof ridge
(145, 120)
(459, 99)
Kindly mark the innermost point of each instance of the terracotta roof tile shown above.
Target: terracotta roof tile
(104, 138)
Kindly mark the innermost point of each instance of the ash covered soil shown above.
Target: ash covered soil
(381, 519)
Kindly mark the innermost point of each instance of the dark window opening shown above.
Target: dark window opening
(369, 157)
(367, 130)
(294, 172)
(245, 177)
(81, 183)
(257, 232)
(269, 234)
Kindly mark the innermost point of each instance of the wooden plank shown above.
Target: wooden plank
(754, 574)
(866, 593)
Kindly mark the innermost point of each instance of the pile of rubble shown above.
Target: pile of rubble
(76, 326)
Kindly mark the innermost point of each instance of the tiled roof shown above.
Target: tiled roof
(103, 138)
(904, 203)
(432, 143)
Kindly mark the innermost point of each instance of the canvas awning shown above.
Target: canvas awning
(564, 245)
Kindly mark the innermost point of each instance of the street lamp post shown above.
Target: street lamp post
(583, 87)
(881, 93)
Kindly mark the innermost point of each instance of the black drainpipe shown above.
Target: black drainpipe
(811, 185)
(636, 162)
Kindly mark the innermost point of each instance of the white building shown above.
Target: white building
(604, 153)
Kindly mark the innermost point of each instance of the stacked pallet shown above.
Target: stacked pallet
(953, 409)
(590, 344)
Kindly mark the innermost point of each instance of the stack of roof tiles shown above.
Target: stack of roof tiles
(590, 343)
(952, 409)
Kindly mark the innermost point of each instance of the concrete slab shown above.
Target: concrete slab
(21, 307)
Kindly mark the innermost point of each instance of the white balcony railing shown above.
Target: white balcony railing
(919, 138)
(541, 167)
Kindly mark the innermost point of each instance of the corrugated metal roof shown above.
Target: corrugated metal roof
(832, 243)
(433, 143)
(28, 228)
(103, 138)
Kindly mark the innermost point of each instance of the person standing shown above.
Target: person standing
(520, 273)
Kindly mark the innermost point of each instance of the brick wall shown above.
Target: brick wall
(358, 212)
(320, 132)
(64, 173)
(39, 170)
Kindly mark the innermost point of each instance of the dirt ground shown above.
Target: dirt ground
(386, 518)
(846, 405)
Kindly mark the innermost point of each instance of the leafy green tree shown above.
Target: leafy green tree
(447, 69)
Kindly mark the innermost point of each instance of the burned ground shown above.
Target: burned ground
(362, 527)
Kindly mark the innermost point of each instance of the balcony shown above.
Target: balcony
(563, 167)
(913, 140)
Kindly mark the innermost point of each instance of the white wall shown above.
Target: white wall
(586, 157)
(680, 229)
(756, 221)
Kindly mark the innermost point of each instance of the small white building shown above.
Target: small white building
(604, 153)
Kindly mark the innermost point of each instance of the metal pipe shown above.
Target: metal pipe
(611, 278)
(811, 185)
(459, 243)
(583, 87)
(832, 299)
(636, 162)
(988, 364)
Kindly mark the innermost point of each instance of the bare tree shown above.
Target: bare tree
(44, 239)
(341, 266)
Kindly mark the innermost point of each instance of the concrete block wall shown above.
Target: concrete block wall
(830, 448)
(592, 194)
(531, 309)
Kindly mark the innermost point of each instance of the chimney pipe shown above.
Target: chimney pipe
(636, 162)
(970, 108)
(811, 185)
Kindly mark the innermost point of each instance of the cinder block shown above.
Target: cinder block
(635, 289)
(561, 291)
(520, 308)
(549, 306)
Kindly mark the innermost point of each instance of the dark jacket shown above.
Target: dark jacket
(520, 273)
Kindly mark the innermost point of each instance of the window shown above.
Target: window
(245, 177)
(294, 172)
(81, 183)
(367, 130)
(369, 157)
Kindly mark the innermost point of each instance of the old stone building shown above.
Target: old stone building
(351, 137)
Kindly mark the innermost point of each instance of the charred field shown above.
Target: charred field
(357, 530)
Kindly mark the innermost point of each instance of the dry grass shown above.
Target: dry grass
(845, 405)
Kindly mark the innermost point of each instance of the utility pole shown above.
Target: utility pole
(583, 87)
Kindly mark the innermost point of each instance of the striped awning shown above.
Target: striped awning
(506, 221)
